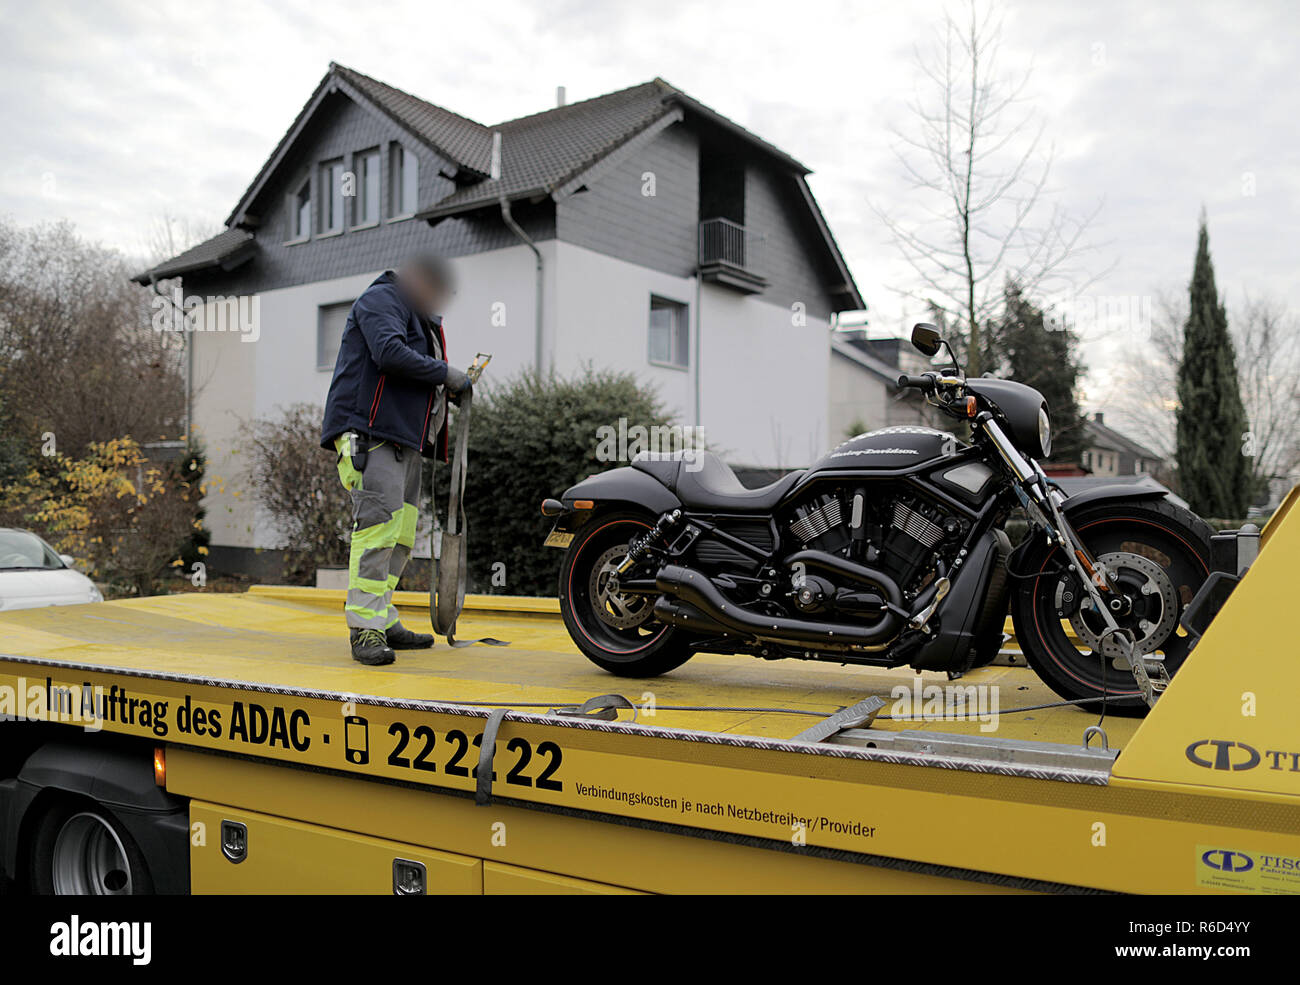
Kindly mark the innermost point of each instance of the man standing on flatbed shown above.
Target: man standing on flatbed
(387, 408)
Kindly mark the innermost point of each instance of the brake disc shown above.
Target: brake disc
(614, 608)
(1154, 609)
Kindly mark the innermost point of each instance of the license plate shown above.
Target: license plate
(558, 538)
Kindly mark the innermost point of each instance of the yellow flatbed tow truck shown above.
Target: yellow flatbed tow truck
(227, 744)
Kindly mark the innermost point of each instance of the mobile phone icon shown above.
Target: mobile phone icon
(356, 740)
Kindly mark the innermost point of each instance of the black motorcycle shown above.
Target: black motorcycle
(890, 550)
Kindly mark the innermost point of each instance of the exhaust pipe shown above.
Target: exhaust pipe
(860, 573)
(675, 612)
(697, 590)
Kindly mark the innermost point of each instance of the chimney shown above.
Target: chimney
(1099, 418)
(559, 96)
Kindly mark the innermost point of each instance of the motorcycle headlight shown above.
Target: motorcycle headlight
(1044, 431)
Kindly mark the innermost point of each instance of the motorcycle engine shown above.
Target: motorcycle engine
(900, 535)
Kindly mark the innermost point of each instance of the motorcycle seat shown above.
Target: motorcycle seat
(703, 481)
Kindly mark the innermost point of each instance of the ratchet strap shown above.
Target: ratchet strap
(449, 560)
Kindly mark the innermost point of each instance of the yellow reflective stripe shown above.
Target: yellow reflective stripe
(378, 536)
(407, 517)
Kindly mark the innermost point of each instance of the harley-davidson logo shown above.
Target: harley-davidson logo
(876, 451)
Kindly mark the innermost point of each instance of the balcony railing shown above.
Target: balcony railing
(731, 254)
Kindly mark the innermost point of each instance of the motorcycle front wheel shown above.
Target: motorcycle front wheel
(616, 631)
(1157, 554)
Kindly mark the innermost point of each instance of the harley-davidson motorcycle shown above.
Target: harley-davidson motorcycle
(890, 550)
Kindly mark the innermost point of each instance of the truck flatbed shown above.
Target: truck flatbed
(299, 769)
(294, 638)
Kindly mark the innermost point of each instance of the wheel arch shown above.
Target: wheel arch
(117, 777)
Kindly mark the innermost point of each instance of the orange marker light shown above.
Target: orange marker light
(970, 407)
(584, 504)
(159, 766)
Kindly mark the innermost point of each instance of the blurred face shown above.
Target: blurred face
(427, 292)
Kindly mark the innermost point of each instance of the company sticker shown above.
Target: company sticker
(1236, 871)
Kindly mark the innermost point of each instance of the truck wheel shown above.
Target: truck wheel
(80, 849)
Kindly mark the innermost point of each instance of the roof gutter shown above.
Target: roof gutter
(514, 227)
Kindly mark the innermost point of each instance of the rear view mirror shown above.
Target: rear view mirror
(926, 338)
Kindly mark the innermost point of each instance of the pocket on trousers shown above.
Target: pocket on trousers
(368, 509)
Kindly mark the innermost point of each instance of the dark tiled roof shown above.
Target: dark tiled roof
(458, 138)
(539, 153)
(542, 152)
(222, 248)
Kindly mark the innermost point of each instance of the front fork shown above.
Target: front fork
(1043, 505)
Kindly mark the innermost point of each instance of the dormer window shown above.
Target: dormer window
(331, 186)
(301, 219)
(403, 181)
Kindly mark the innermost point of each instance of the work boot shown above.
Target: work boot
(369, 647)
(401, 638)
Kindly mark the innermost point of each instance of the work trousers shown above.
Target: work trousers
(385, 493)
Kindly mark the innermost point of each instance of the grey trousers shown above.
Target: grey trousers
(385, 499)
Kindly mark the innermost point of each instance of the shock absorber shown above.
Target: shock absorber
(634, 553)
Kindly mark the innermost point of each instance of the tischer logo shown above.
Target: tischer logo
(1245, 758)
(1226, 861)
(1230, 756)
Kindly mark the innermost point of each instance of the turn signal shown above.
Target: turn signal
(584, 504)
(970, 406)
(160, 766)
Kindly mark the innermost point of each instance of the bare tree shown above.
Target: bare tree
(1268, 359)
(79, 358)
(169, 235)
(1144, 388)
(977, 160)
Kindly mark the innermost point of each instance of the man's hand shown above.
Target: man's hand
(456, 380)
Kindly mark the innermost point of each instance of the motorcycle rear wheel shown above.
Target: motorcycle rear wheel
(616, 632)
(1159, 553)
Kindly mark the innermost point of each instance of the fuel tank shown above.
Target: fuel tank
(900, 447)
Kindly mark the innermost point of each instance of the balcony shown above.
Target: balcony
(731, 255)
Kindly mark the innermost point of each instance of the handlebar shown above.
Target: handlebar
(926, 382)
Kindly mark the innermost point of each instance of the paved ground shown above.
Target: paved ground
(296, 638)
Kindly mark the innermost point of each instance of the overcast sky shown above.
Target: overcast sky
(118, 111)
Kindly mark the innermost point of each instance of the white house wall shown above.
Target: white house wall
(763, 378)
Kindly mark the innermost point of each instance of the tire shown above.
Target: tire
(80, 849)
(642, 646)
(1156, 549)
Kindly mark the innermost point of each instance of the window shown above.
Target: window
(367, 188)
(301, 203)
(404, 180)
(331, 319)
(331, 194)
(670, 333)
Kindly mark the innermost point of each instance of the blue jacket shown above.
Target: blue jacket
(387, 382)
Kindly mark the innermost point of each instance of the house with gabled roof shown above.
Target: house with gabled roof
(636, 231)
(1107, 452)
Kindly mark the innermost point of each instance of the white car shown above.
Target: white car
(33, 575)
